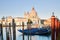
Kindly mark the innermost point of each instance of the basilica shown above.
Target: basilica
(32, 15)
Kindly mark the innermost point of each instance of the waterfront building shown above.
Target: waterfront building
(32, 15)
(47, 22)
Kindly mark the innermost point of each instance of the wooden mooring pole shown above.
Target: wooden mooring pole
(7, 33)
(23, 29)
(29, 29)
(59, 26)
(1, 31)
(53, 27)
(56, 23)
(14, 29)
(56, 27)
(10, 35)
(7, 30)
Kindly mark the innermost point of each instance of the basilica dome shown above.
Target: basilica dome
(33, 13)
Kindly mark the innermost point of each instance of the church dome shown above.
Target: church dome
(33, 13)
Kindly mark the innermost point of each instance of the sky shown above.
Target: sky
(16, 8)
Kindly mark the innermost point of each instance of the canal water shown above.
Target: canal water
(19, 35)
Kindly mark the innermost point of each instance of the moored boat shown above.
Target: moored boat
(36, 31)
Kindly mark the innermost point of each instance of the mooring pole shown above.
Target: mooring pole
(56, 27)
(53, 26)
(10, 31)
(28, 30)
(23, 29)
(14, 29)
(1, 31)
(7, 33)
(59, 26)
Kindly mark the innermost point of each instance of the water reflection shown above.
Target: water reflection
(19, 35)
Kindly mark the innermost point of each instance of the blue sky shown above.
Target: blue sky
(15, 8)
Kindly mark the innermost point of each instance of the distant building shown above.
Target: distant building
(47, 22)
(32, 15)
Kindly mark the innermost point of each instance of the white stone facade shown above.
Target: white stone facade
(32, 15)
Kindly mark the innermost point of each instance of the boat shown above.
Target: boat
(36, 31)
